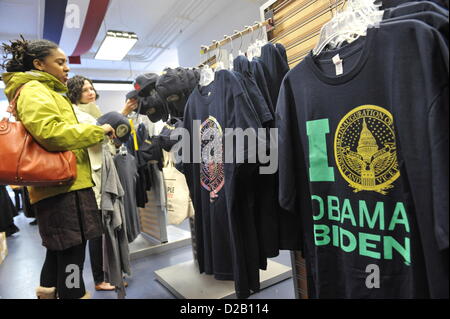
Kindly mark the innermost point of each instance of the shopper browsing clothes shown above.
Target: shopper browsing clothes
(67, 215)
(83, 96)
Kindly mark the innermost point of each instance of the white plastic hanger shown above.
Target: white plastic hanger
(240, 52)
(230, 55)
(262, 41)
(206, 75)
(123, 150)
(369, 13)
(348, 25)
(220, 65)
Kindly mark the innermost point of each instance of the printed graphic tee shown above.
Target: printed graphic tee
(225, 243)
(364, 161)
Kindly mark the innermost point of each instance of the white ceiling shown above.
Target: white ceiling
(161, 27)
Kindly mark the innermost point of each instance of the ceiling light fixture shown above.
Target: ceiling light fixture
(116, 45)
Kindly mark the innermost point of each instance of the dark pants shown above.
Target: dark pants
(17, 195)
(96, 254)
(64, 270)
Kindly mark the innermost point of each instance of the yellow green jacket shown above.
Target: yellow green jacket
(48, 115)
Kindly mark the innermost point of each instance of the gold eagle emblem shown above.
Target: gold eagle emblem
(365, 149)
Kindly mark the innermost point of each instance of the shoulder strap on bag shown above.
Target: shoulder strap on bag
(13, 104)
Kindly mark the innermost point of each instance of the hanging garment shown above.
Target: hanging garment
(435, 20)
(277, 228)
(116, 256)
(282, 50)
(222, 251)
(262, 78)
(276, 65)
(144, 180)
(364, 162)
(166, 138)
(260, 190)
(244, 73)
(395, 3)
(127, 171)
(414, 7)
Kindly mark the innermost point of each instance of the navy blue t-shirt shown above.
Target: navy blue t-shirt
(435, 20)
(262, 78)
(395, 3)
(226, 240)
(414, 7)
(243, 68)
(276, 66)
(364, 161)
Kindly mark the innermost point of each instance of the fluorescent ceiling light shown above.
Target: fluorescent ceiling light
(116, 45)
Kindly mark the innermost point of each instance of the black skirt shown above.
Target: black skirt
(69, 219)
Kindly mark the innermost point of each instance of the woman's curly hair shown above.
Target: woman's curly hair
(20, 54)
(75, 86)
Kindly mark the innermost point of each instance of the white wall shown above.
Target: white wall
(111, 101)
(233, 17)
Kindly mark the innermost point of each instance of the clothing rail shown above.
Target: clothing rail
(236, 35)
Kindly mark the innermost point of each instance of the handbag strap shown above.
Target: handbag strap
(12, 107)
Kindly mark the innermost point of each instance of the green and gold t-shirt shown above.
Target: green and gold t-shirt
(363, 146)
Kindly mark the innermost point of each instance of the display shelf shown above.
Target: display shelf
(185, 282)
(145, 245)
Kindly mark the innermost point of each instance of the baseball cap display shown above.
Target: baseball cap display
(175, 86)
(154, 107)
(120, 124)
(143, 85)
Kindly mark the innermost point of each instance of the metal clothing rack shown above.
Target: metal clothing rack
(156, 236)
(184, 280)
(237, 34)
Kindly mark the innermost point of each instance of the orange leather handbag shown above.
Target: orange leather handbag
(26, 163)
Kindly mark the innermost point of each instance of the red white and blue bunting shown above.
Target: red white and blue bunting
(74, 24)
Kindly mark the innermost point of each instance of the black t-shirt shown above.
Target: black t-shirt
(225, 241)
(395, 3)
(128, 174)
(369, 148)
(276, 66)
(282, 50)
(414, 7)
(244, 73)
(262, 78)
(435, 20)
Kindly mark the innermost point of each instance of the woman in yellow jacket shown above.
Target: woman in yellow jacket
(67, 215)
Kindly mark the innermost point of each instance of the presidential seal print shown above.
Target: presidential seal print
(212, 165)
(365, 149)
